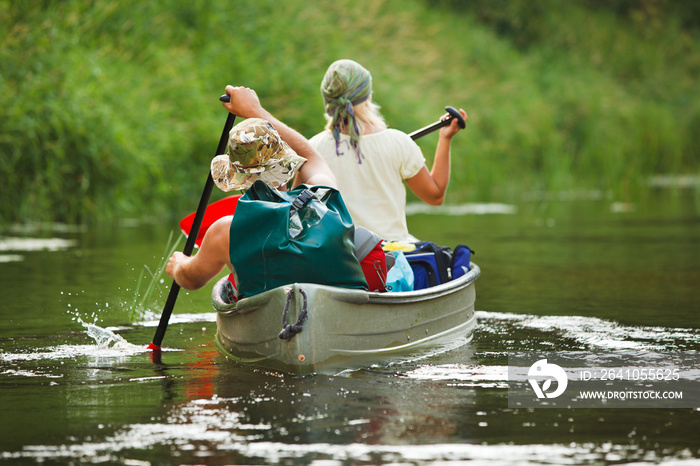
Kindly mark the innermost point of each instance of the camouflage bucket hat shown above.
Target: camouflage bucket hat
(255, 151)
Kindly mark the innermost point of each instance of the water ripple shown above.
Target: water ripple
(595, 333)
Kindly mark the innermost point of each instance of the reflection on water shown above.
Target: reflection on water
(35, 244)
(446, 408)
(590, 333)
(461, 209)
(574, 275)
(14, 245)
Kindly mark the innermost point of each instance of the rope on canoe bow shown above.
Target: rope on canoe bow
(288, 331)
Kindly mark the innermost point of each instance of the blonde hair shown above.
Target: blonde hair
(366, 114)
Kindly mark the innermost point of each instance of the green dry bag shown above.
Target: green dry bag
(300, 236)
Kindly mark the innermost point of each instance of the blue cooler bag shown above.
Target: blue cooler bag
(434, 265)
(461, 258)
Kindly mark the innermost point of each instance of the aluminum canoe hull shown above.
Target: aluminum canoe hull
(344, 328)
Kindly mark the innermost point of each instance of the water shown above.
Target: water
(565, 272)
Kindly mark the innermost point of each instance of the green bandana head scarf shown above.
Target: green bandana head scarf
(345, 84)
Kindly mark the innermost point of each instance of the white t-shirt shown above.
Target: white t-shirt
(373, 190)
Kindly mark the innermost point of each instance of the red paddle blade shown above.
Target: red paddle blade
(155, 353)
(215, 211)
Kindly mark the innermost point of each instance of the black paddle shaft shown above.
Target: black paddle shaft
(192, 237)
(454, 113)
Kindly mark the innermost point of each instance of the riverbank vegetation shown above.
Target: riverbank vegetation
(110, 108)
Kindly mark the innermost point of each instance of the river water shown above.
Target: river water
(561, 272)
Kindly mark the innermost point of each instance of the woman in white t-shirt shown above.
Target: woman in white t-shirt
(370, 161)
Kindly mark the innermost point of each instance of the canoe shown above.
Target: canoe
(342, 328)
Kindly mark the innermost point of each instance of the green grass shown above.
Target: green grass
(109, 108)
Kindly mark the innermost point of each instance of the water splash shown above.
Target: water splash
(107, 339)
(108, 344)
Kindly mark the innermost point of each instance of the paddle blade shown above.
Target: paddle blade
(155, 353)
(215, 211)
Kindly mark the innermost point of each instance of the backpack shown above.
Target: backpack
(434, 265)
(302, 235)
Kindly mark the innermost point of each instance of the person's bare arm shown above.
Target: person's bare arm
(193, 272)
(431, 186)
(246, 104)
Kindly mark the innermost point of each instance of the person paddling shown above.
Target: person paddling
(258, 146)
(371, 161)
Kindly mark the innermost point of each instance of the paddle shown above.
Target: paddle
(227, 206)
(215, 211)
(454, 113)
(189, 244)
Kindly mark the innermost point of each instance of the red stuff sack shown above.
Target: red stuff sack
(368, 248)
(374, 267)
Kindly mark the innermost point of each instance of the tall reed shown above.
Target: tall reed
(144, 298)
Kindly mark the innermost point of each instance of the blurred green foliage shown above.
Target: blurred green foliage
(110, 108)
